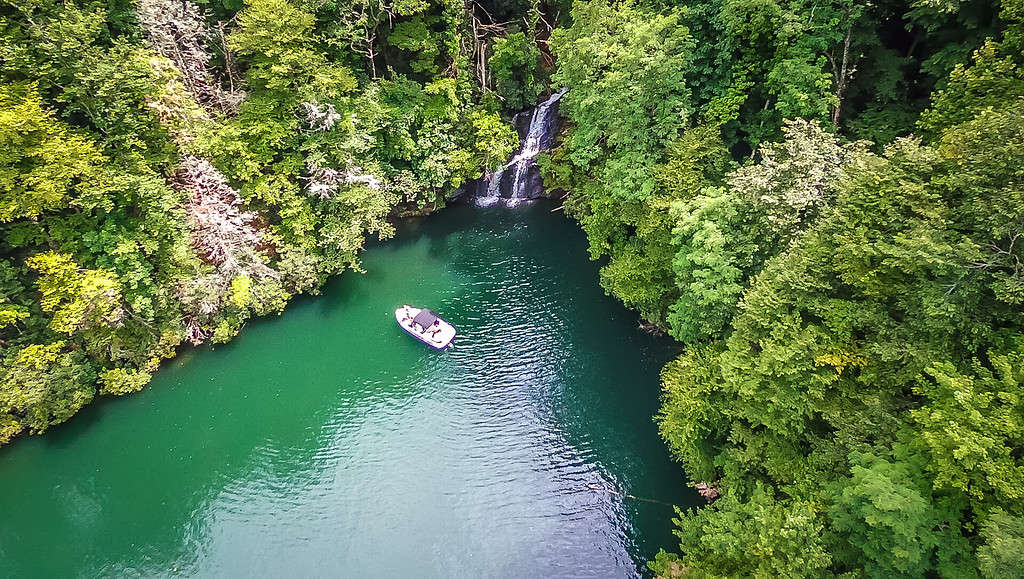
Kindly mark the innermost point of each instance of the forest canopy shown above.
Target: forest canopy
(823, 203)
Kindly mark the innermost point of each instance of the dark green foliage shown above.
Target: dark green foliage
(890, 523)
(873, 363)
(628, 103)
(515, 69)
(994, 77)
(858, 403)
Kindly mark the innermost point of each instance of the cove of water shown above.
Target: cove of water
(327, 443)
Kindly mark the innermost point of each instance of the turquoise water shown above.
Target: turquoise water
(327, 443)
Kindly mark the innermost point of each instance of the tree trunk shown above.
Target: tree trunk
(842, 75)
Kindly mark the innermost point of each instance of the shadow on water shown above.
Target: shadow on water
(325, 442)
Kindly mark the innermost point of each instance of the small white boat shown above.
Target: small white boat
(425, 326)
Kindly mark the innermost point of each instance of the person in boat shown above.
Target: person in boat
(435, 329)
(408, 319)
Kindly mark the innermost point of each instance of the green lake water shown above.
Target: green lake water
(328, 443)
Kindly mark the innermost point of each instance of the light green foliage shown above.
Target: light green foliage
(493, 141)
(667, 565)
(121, 381)
(42, 385)
(115, 90)
(77, 299)
(716, 236)
(696, 159)
(627, 99)
(410, 7)
(10, 315)
(759, 537)
(10, 427)
(515, 68)
(226, 329)
(1002, 554)
(627, 102)
(638, 272)
(77, 56)
(725, 235)
(43, 166)
(241, 292)
(174, 105)
(277, 39)
(971, 425)
(692, 417)
(357, 212)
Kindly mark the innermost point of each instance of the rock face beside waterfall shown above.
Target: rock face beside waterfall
(519, 179)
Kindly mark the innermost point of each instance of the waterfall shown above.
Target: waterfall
(519, 179)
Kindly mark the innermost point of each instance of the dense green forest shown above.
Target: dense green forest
(821, 200)
(824, 202)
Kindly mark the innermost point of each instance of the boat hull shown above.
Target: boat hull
(438, 340)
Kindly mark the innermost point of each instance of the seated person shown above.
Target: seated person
(436, 329)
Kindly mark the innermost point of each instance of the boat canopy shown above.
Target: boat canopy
(425, 318)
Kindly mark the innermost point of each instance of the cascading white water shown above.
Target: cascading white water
(531, 146)
(538, 137)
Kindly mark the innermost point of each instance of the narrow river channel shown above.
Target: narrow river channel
(327, 443)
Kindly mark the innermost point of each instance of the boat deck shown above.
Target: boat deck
(436, 336)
